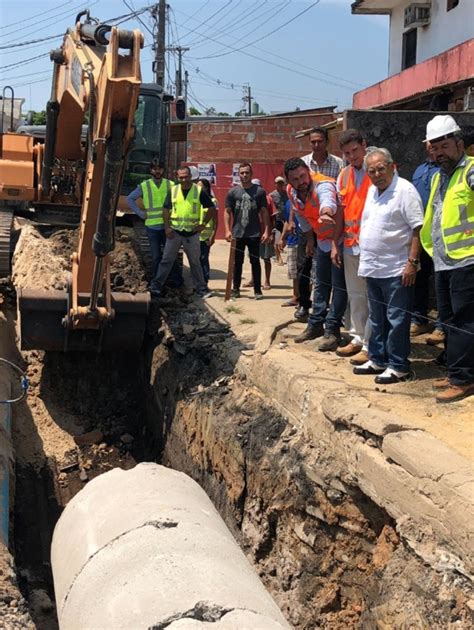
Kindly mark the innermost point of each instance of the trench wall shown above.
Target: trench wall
(329, 505)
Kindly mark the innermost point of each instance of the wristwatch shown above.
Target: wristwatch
(414, 261)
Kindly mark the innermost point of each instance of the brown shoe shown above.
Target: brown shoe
(420, 329)
(349, 351)
(436, 337)
(441, 383)
(360, 359)
(455, 392)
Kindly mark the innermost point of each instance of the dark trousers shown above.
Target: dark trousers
(455, 295)
(422, 289)
(157, 240)
(390, 306)
(253, 245)
(330, 295)
(204, 258)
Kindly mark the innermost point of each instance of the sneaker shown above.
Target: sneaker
(436, 337)
(205, 294)
(369, 367)
(235, 293)
(330, 342)
(420, 329)
(310, 332)
(301, 314)
(350, 350)
(259, 296)
(359, 359)
(392, 376)
(454, 393)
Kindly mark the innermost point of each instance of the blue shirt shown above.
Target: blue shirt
(131, 201)
(421, 180)
(291, 239)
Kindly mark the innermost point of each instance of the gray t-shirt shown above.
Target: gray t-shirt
(245, 204)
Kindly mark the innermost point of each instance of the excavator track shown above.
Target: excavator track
(6, 220)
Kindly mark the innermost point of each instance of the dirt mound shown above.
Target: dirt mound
(42, 260)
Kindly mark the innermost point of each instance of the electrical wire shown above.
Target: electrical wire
(210, 17)
(272, 32)
(33, 41)
(24, 61)
(24, 383)
(32, 17)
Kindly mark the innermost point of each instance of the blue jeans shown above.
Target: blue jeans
(328, 310)
(157, 240)
(204, 258)
(390, 306)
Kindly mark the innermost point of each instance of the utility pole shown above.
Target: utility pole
(247, 99)
(179, 72)
(158, 12)
(186, 79)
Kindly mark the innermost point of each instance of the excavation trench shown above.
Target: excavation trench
(329, 555)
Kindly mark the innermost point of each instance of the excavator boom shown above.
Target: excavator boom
(91, 75)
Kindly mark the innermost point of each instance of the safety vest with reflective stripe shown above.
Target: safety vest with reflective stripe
(457, 215)
(185, 213)
(208, 231)
(353, 202)
(310, 211)
(153, 197)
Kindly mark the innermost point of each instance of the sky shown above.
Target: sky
(292, 53)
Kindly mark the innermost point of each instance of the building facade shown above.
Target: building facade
(430, 54)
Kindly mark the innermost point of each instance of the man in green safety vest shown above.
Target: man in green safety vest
(448, 236)
(152, 193)
(184, 221)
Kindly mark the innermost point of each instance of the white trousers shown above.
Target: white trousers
(358, 301)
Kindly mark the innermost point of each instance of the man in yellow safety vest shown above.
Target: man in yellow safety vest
(184, 221)
(152, 193)
(448, 236)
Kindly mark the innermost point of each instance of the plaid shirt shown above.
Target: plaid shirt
(331, 166)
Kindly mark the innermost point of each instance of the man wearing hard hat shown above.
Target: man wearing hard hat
(448, 236)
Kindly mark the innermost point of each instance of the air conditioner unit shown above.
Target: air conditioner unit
(417, 14)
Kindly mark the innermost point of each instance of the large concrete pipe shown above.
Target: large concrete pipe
(145, 548)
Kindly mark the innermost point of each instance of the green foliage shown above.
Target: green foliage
(38, 118)
(194, 112)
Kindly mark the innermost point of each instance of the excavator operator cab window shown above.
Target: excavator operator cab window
(150, 129)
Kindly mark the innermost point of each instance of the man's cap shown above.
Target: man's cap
(280, 179)
(440, 127)
(257, 182)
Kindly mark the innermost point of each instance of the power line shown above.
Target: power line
(210, 17)
(24, 61)
(32, 17)
(33, 41)
(275, 30)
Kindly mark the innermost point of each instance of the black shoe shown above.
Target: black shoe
(330, 342)
(235, 293)
(369, 368)
(391, 376)
(301, 314)
(310, 332)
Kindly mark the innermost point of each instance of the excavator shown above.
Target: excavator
(97, 81)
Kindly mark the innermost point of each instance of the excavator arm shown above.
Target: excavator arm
(93, 77)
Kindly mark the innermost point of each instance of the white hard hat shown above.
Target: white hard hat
(194, 172)
(441, 127)
(256, 181)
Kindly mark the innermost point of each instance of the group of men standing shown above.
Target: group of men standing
(365, 228)
(363, 233)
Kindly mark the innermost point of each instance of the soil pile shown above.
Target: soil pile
(42, 260)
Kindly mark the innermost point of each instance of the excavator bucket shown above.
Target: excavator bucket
(41, 316)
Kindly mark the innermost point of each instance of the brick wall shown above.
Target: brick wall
(268, 140)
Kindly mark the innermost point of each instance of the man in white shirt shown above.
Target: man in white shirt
(389, 259)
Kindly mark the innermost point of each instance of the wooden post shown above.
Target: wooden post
(230, 270)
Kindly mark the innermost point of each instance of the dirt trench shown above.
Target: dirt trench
(330, 557)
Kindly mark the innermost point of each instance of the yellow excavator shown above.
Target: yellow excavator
(97, 80)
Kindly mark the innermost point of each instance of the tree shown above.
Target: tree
(38, 118)
(194, 112)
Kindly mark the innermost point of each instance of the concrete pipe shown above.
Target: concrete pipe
(145, 548)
